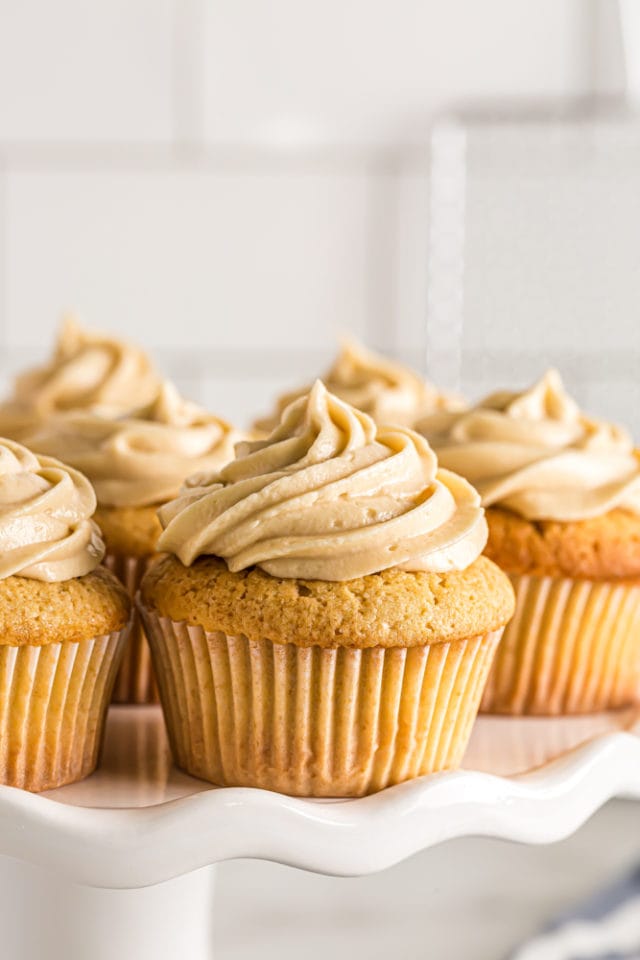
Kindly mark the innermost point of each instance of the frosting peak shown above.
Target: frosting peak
(545, 400)
(46, 531)
(88, 371)
(535, 452)
(328, 496)
(140, 460)
(386, 390)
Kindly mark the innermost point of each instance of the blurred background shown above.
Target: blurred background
(233, 183)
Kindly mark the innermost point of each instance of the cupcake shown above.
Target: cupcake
(88, 371)
(323, 623)
(63, 623)
(388, 391)
(136, 464)
(562, 493)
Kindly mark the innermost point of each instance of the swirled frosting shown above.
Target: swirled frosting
(141, 460)
(388, 391)
(88, 371)
(535, 453)
(328, 496)
(46, 530)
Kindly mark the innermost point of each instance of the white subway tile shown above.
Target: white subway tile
(189, 260)
(77, 71)
(287, 73)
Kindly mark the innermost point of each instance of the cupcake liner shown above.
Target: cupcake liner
(135, 682)
(573, 646)
(53, 702)
(314, 721)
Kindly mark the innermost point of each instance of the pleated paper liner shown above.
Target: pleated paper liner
(53, 703)
(573, 646)
(313, 721)
(136, 682)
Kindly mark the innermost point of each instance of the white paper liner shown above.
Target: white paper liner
(53, 702)
(324, 722)
(573, 646)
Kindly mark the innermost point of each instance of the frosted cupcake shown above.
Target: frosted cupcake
(88, 371)
(562, 493)
(323, 623)
(387, 391)
(136, 464)
(63, 623)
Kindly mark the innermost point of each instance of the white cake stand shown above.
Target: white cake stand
(122, 865)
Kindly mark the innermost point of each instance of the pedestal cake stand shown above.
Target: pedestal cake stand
(122, 864)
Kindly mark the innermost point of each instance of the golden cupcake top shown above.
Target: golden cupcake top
(37, 613)
(88, 371)
(386, 390)
(46, 530)
(328, 496)
(394, 608)
(534, 452)
(140, 460)
(598, 548)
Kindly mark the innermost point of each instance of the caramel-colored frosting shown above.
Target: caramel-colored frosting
(141, 460)
(388, 391)
(46, 530)
(88, 371)
(535, 453)
(328, 496)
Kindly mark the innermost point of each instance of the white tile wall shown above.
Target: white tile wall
(233, 182)
(189, 259)
(377, 70)
(242, 281)
(410, 258)
(77, 71)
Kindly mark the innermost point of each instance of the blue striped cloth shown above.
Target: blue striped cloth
(606, 927)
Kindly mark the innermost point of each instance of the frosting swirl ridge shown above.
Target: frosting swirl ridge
(88, 371)
(388, 391)
(140, 460)
(46, 530)
(535, 453)
(328, 496)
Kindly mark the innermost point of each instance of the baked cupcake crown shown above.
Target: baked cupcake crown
(46, 530)
(328, 496)
(388, 391)
(535, 453)
(143, 459)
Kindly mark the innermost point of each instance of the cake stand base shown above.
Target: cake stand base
(43, 915)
